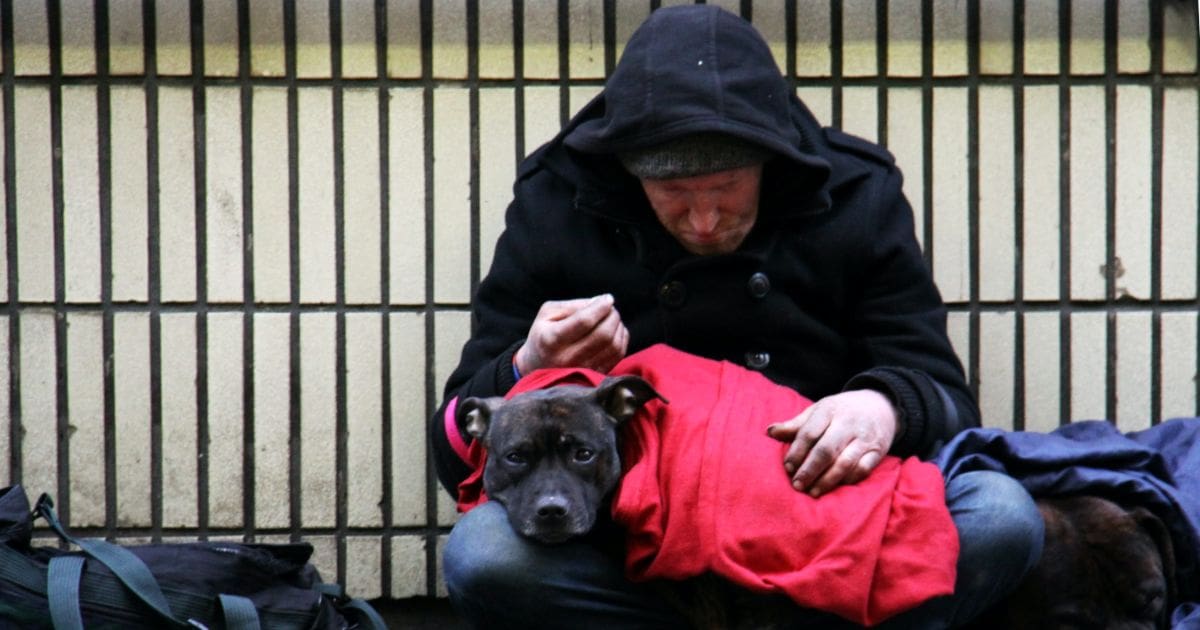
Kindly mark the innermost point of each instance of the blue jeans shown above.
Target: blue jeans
(498, 579)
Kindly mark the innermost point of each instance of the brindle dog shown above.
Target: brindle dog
(552, 453)
(1104, 567)
(552, 462)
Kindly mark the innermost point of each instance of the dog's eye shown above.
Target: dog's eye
(515, 457)
(584, 455)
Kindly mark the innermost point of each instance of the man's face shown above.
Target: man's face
(707, 214)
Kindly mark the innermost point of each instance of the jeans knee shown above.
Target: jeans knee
(999, 517)
(1000, 539)
(483, 554)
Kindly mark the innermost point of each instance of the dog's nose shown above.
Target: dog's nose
(551, 508)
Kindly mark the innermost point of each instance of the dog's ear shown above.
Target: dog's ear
(622, 396)
(1158, 532)
(473, 415)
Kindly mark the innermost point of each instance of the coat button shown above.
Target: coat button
(672, 294)
(758, 360)
(759, 285)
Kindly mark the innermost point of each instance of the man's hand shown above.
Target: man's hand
(838, 440)
(585, 332)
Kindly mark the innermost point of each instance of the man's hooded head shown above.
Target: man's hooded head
(696, 90)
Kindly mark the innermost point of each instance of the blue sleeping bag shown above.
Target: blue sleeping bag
(1157, 468)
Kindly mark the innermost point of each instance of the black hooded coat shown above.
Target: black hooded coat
(828, 292)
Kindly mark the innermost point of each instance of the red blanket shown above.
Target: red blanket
(704, 490)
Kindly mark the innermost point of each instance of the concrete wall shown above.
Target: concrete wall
(240, 238)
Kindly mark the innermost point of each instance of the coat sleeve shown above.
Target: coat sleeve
(502, 310)
(902, 323)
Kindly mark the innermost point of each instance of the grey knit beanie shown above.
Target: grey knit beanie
(692, 155)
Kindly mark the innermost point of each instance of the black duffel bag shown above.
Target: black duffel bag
(186, 585)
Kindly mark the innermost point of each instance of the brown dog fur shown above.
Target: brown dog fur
(1103, 567)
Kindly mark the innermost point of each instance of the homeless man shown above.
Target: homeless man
(697, 202)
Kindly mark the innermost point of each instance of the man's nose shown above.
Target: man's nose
(703, 216)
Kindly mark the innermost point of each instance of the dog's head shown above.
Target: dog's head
(1103, 566)
(552, 453)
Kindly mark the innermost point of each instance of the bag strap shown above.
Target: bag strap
(364, 614)
(62, 580)
(240, 613)
(128, 568)
(369, 618)
(65, 573)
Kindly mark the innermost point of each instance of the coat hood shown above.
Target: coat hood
(697, 68)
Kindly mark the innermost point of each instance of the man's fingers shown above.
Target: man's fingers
(622, 340)
(561, 333)
(560, 325)
(838, 440)
(613, 348)
(852, 465)
(556, 310)
(809, 451)
(593, 337)
(868, 463)
(608, 328)
(600, 353)
(815, 464)
(786, 431)
(581, 323)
